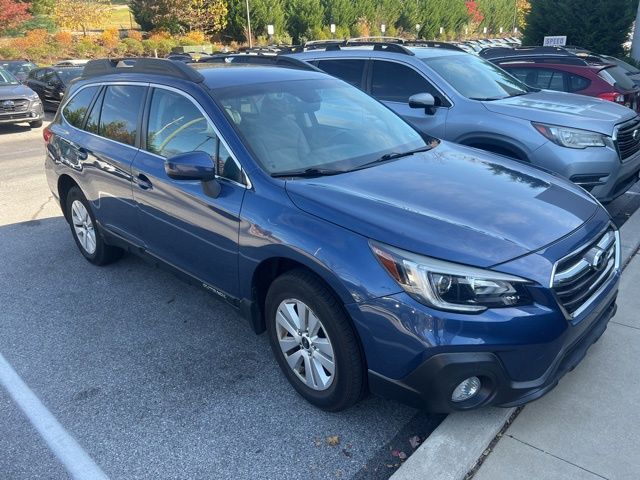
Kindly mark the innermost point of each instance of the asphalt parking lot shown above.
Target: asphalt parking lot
(152, 377)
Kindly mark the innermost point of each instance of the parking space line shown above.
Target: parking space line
(72, 456)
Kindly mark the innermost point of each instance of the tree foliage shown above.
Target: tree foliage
(601, 26)
(79, 14)
(13, 13)
(208, 16)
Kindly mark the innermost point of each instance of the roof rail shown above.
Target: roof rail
(531, 54)
(278, 60)
(155, 66)
(432, 44)
(377, 45)
(380, 39)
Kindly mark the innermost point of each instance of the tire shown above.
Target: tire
(84, 231)
(333, 337)
(36, 124)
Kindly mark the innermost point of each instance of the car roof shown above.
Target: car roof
(221, 75)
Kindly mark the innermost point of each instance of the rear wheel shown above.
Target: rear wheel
(314, 342)
(85, 233)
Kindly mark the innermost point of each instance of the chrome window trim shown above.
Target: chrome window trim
(248, 186)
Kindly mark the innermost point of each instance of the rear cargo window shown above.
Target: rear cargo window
(76, 109)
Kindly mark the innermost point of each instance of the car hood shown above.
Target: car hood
(15, 91)
(565, 109)
(454, 203)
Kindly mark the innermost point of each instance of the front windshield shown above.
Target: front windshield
(68, 74)
(6, 78)
(314, 124)
(476, 78)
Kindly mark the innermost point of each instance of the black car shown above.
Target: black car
(50, 83)
(18, 68)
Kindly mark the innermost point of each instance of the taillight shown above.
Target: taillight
(612, 97)
(47, 134)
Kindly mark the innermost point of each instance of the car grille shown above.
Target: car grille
(14, 105)
(578, 276)
(627, 140)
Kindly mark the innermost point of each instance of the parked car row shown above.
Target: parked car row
(376, 256)
(26, 91)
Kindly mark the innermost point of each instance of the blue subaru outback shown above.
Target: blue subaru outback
(376, 259)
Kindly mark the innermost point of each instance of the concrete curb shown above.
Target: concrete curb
(454, 448)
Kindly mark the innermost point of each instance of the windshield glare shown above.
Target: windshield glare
(475, 78)
(6, 78)
(314, 124)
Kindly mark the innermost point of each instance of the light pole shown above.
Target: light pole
(249, 25)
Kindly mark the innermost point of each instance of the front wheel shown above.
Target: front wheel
(314, 341)
(85, 233)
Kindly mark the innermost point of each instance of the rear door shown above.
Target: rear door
(351, 70)
(394, 82)
(52, 88)
(184, 223)
(106, 147)
(34, 81)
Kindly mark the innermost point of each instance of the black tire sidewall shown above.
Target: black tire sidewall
(322, 302)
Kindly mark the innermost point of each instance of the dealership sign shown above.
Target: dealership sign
(556, 41)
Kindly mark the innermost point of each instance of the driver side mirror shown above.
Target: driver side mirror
(423, 100)
(196, 165)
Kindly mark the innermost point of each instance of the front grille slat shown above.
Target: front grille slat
(578, 276)
(12, 105)
(626, 144)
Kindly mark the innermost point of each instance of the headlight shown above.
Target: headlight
(573, 137)
(450, 286)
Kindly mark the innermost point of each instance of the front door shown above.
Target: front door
(183, 222)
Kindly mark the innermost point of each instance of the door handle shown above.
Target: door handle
(143, 182)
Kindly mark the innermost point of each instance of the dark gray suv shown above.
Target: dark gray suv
(462, 98)
(18, 103)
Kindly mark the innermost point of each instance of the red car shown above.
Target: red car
(551, 68)
(602, 81)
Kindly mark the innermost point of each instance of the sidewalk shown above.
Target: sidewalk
(589, 426)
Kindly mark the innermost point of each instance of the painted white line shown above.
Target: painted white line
(72, 456)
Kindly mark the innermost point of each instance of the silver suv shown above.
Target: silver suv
(459, 97)
(18, 103)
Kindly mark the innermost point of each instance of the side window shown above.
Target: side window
(93, 121)
(120, 111)
(177, 126)
(50, 76)
(350, 71)
(396, 83)
(75, 110)
(577, 83)
(37, 74)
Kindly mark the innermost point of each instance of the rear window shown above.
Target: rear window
(577, 83)
(616, 76)
(76, 109)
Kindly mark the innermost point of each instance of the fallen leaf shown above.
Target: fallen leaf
(402, 456)
(333, 440)
(415, 441)
(347, 453)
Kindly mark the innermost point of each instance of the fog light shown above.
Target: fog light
(466, 389)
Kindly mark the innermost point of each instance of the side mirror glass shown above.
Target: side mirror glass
(196, 165)
(423, 100)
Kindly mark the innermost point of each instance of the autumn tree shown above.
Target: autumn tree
(208, 16)
(79, 14)
(13, 13)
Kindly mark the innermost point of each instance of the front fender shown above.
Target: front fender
(273, 227)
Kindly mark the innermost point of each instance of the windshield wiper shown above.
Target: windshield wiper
(308, 172)
(393, 156)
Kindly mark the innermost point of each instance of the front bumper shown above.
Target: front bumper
(597, 169)
(430, 385)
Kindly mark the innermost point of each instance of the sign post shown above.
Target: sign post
(555, 41)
